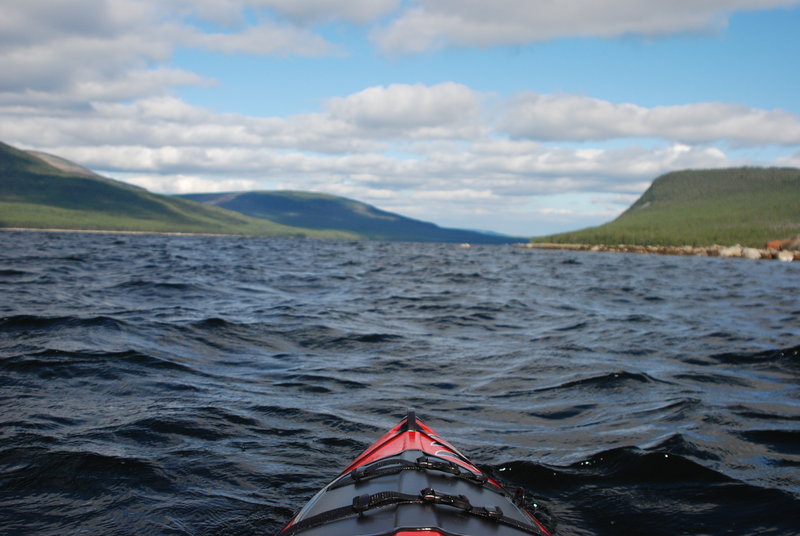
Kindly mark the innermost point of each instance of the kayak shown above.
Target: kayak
(412, 482)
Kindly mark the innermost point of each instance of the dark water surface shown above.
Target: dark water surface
(209, 386)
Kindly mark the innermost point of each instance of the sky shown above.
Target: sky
(525, 117)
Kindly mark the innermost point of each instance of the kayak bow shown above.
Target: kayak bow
(411, 482)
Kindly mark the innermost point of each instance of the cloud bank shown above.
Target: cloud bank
(429, 24)
(410, 137)
(574, 117)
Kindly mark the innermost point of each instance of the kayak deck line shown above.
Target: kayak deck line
(392, 466)
(365, 502)
(413, 482)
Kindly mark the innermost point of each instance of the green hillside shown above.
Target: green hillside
(322, 211)
(746, 206)
(42, 191)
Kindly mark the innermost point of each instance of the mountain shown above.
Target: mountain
(45, 191)
(322, 211)
(747, 206)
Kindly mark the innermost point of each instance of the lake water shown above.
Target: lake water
(210, 385)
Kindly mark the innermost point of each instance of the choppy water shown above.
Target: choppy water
(209, 386)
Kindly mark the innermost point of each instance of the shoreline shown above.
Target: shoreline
(736, 251)
(110, 231)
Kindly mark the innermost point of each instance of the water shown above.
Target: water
(209, 386)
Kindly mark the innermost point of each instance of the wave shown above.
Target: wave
(14, 273)
(785, 356)
(165, 429)
(631, 491)
(610, 380)
(785, 442)
(98, 363)
(55, 470)
(318, 382)
(158, 287)
(670, 410)
(44, 323)
(620, 466)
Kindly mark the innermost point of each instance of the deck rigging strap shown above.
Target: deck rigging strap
(362, 503)
(423, 463)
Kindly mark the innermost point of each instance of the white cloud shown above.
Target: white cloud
(431, 24)
(300, 11)
(186, 184)
(167, 121)
(462, 195)
(400, 137)
(367, 121)
(547, 170)
(464, 177)
(29, 23)
(560, 211)
(359, 11)
(80, 94)
(446, 110)
(574, 117)
(792, 160)
(53, 65)
(264, 39)
(83, 51)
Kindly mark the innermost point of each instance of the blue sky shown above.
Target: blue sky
(728, 64)
(518, 116)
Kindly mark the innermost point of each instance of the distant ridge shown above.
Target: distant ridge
(40, 191)
(323, 211)
(44, 191)
(747, 206)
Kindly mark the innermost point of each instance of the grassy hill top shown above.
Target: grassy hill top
(747, 206)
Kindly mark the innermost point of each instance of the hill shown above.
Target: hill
(322, 211)
(747, 206)
(45, 191)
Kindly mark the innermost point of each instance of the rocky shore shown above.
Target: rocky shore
(709, 251)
